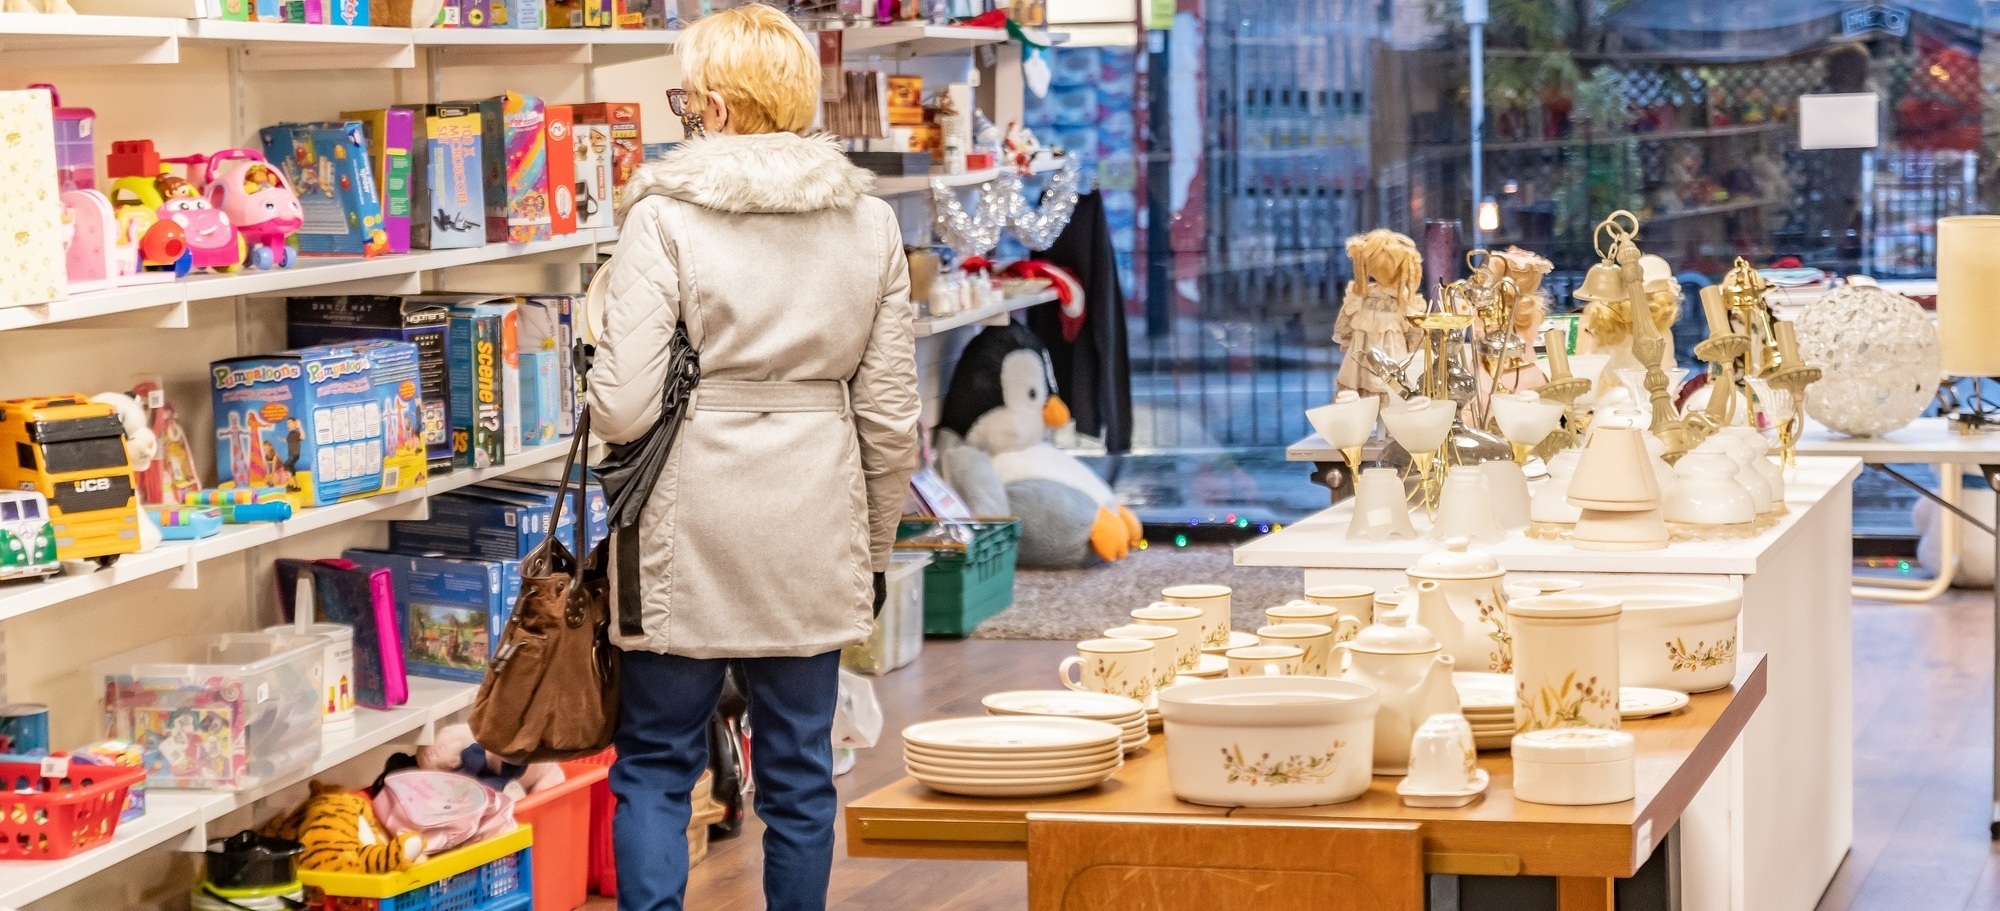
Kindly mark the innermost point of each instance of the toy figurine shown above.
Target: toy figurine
(1374, 314)
(90, 241)
(256, 197)
(211, 240)
(1512, 357)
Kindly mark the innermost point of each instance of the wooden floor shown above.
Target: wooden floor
(1923, 727)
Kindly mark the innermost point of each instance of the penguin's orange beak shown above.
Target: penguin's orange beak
(1055, 413)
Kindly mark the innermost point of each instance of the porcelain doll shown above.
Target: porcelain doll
(1374, 314)
(1525, 269)
(1608, 324)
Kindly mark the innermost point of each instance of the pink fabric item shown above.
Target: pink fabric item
(447, 810)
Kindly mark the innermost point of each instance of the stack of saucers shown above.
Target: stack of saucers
(1128, 714)
(1488, 703)
(1012, 755)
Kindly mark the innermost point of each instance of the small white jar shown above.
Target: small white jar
(1573, 767)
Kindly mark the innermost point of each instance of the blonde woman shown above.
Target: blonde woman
(780, 499)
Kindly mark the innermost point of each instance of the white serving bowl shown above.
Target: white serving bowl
(1269, 741)
(1675, 635)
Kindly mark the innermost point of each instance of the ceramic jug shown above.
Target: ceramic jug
(1410, 670)
(1467, 612)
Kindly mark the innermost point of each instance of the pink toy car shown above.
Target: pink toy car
(257, 199)
(211, 240)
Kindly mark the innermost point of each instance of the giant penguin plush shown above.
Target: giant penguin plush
(1001, 403)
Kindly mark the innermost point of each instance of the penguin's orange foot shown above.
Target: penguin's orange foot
(1132, 524)
(1110, 538)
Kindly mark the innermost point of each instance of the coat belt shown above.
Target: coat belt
(770, 396)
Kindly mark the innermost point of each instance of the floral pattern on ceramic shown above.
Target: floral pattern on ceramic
(1276, 772)
(1565, 705)
(1701, 655)
(1469, 618)
(1500, 655)
(1111, 669)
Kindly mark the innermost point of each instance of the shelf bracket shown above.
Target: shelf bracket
(188, 577)
(416, 510)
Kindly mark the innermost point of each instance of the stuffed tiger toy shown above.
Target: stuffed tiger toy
(341, 834)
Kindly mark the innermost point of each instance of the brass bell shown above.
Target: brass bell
(1601, 284)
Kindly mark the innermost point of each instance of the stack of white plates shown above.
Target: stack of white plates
(1488, 703)
(1012, 755)
(1128, 714)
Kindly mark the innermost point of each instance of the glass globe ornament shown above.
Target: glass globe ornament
(1879, 354)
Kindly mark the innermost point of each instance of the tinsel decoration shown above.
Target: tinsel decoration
(1002, 203)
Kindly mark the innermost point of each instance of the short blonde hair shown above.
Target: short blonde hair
(762, 65)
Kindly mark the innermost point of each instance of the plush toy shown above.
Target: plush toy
(994, 437)
(341, 834)
(141, 446)
(455, 750)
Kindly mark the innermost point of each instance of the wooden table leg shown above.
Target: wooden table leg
(1583, 893)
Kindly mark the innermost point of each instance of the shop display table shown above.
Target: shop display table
(1928, 441)
(1587, 848)
(1782, 805)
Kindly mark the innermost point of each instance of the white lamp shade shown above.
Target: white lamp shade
(1525, 418)
(1345, 424)
(1615, 474)
(1418, 423)
(1968, 294)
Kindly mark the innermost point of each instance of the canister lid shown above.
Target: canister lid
(335, 631)
(1566, 606)
(1457, 561)
(1572, 745)
(1392, 633)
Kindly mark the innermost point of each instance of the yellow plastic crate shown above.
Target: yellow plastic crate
(437, 869)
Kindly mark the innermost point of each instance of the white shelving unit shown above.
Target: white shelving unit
(185, 815)
(938, 324)
(900, 186)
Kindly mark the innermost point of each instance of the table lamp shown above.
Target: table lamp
(1526, 420)
(1420, 425)
(1346, 424)
(1617, 493)
(1968, 309)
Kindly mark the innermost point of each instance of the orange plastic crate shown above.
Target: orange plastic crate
(561, 817)
(44, 818)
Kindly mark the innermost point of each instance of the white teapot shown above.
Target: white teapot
(1409, 669)
(1468, 612)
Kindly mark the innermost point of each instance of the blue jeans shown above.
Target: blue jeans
(662, 745)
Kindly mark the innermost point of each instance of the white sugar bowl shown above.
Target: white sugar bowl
(1573, 766)
(1676, 636)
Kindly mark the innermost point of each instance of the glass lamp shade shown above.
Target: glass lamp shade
(1418, 423)
(1348, 421)
(1525, 419)
(1615, 474)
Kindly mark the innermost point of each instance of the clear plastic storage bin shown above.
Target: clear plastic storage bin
(225, 711)
(899, 629)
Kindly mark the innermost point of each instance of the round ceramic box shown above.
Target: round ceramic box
(1573, 766)
(1675, 636)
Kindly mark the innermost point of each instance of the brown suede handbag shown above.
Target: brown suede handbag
(552, 690)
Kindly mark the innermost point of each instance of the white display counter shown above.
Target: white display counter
(1771, 827)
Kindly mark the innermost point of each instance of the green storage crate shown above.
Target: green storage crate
(967, 584)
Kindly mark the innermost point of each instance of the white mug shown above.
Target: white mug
(1166, 650)
(1442, 756)
(1314, 640)
(1212, 601)
(1189, 626)
(1121, 667)
(1391, 599)
(1354, 601)
(1264, 661)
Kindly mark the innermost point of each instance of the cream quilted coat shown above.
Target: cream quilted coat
(784, 488)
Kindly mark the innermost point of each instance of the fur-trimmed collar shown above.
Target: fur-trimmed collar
(763, 173)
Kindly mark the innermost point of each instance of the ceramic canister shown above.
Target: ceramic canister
(1565, 661)
(336, 667)
(1212, 601)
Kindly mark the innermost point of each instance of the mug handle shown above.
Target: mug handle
(1063, 670)
(1274, 669)
(1345, 628)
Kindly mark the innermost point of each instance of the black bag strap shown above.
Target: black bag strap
(676, 396)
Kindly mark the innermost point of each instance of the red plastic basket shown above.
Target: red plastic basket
(561, 817)
(44, 818)
(603, 864)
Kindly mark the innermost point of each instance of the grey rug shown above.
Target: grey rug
(1081, 603)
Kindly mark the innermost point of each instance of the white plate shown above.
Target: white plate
(1237, 639)
(1096, 706)
(1645, 702)
(1011, 734)
(1013, 790)
(1417, 798)
(977, 779)
(949, 755)
(1010, 774)
(1479, 692)
(1210, 666)
(1499, 741)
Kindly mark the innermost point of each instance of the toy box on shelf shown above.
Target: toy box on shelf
(30, 201)
(447, 167)
(175, 226)
(71, 450)
(561, 135)
(493, 875)
(327, 164)
(359, 317)
(595, 201)
(228, 710)
(579, 13)
(391, 133)
(330, 423)
(547, 324)
(514, 154)
(620, 120)
(487, 523)
(453, 609)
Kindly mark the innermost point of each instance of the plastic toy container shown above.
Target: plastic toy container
(899, 630)
(966, 584)
(227, 711)
(603, 863)
(493, 875)
(49, 818)
(562, 817)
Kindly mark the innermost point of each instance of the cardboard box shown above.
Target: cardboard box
(628, 151)
(481, 523)
(474, 351)
(391, 131)
(447, 198)
(906, 100)
(579, 13)
(327, 164)
(31, 208)
(597, 509)
(595, 189)
(541, 398)
(452, 609)
(516, 176)
(507, 310)
(640, 14)
(560, 133)
(528, 14)
(396, 14)
(547, 323)
(363, 317)
(329, 423)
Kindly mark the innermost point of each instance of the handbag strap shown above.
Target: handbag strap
(572, 485)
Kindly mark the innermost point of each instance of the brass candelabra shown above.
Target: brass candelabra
(1618, 275)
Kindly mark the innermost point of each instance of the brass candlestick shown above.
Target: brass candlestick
(1720, 350)
(1615, 241)
(1792, 377)
(1565, 388)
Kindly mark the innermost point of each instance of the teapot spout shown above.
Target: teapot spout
(1435, 694)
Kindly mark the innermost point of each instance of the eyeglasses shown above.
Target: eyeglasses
(681, 103)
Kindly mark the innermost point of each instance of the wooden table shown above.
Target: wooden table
(1587, 848)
